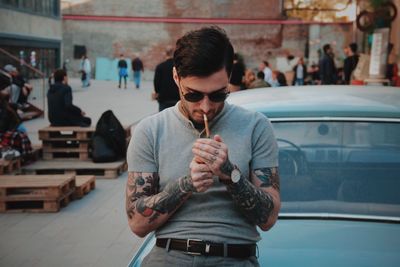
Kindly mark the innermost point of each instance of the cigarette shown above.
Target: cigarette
(206, 126)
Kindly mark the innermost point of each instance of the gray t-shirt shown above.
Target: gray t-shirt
(163, 142)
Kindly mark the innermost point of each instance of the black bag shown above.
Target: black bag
(109, 139)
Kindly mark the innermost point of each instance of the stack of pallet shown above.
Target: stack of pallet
(41, 193)
(66, 151)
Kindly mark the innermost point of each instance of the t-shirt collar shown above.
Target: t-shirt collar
(189, 124)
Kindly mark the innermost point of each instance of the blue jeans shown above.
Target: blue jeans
(299, 82)
(136, 78)
(86, 82)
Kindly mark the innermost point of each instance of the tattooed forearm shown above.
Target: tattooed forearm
(146, 200)
(268, 177)
(139, 185)
(256, 204)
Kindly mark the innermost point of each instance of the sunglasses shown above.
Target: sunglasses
(218, 96)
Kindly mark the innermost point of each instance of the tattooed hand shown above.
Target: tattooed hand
(202, 177)
(214, 154)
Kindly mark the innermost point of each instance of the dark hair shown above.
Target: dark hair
(261, 75)
(281, 79)
(353, 47)
(266, 63)
(326, 48)
(59, 75)
(203, 52)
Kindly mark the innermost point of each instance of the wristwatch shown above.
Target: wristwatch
(235, 176)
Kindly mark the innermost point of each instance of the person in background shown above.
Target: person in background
(274, 79)
(203, 189)
(86, 70)
(249, 77)
(259, 82)
(236, 79)
(327, 68)
(20, 88)
(122, 70)
(61, 110)
(138, 69)
(392, 70)
(281, 78)
(14, 141)
(166, 90)
(264, 67)
(350, 62)
(314, 75)
(300, 72)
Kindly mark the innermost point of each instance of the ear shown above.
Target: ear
(175, 76)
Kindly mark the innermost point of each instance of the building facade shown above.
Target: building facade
(258, 30)
(30, 34)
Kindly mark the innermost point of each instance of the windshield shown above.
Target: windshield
(339, 167)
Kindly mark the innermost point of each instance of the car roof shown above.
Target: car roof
(321, 101)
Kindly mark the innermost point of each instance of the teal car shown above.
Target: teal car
(339, 161)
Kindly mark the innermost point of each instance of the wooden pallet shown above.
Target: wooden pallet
(9, 166)
(83, 185)
(68, 149)
(71, 133)
(66, 133)
(109, 170)
(35, 193)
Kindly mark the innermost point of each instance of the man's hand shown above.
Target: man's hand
(214, 154)
(202, 177)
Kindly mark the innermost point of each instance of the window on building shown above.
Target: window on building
(48, 8)
(10, 2)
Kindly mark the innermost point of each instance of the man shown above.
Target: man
(167, 92)
(137, 68)
(264, 67)
(300, 72)
(59, 99)
(327, 68)
(122, 70)
(203, 196)
(86, 70)
(350, 62)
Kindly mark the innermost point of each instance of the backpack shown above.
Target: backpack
(108, 142)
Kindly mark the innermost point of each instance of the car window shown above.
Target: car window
(339, 167)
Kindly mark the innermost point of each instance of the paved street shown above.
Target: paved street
(92, 231)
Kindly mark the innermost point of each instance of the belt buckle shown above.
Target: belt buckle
(188, 247)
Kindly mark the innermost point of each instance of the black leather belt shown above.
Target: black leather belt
(200, 247)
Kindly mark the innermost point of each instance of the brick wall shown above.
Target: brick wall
(149, 40)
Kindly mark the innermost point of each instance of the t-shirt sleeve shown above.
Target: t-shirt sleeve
(140, 154)
(265, 148)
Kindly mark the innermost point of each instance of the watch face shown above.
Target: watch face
(235, 175)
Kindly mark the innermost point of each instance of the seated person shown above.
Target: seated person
(5, 84)
(13, 137)
(5, 80)
(20, 88)
(60, 108)
(259, 82)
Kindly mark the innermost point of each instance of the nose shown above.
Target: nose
(205, 105)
